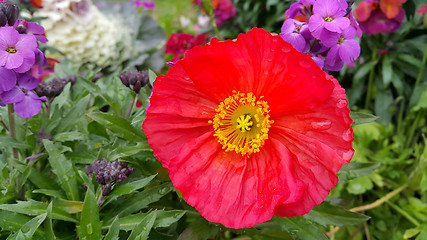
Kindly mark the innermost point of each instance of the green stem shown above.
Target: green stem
(11, 116)
(413, 128)
(420, 73)
(400, 116)
(371, 79)
(404, 213)
(380, 201)
(129, 111)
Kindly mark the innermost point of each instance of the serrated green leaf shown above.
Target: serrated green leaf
(141, 231)
(69, 136)
(355, 170)
(299, 228)
(137, 202)
(90, 225)
(360, 118)
(29, 228)
(63, 168)
(118, 125)
(328, 214)
(114, 230)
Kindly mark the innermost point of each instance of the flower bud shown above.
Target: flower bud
(9, 13)
(137, 87)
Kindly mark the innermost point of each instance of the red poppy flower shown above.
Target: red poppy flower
(250, 128)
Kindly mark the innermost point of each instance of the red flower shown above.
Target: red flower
(250, 128)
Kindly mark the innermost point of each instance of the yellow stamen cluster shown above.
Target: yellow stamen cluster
(11, 50)
(328, 19)
(242, 123)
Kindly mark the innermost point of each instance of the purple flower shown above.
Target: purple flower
(8, 79)
(303, 7)
(328, 20)
(17, 51)
(27, 103)
(33, 28)
(149, 5)
(297, 34)
(346, 50)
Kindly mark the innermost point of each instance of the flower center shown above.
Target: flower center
(328, 19)
(11, 50)
(242, 123)
(341, 40)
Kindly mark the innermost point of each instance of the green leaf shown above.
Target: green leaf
(164, 219)
(50, 192)
(69, 136)
(129, 187)
(126, 151)
(34, 208)
(10, 221)
(363, 70)
(8, 142)
(328, 214)
(114, 230)
(90, 225)
(207, 5)
(63, 169)
(29, 228)
(48, 223)
(74, 115)
(118, 125)
(359, 185)
(410, 59)
(137, 202)
(299, 228)
(355, 170)
(199, 229)
(360, 118)
(151, 76)
(142, 230)
(387, 71)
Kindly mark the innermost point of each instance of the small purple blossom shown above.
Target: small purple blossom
(149, 5)
(297, 34)
(24, 27)
(328, 20)
(8, 13)
(27, 103)
(17, 51)
(346, 50)
(303, 7)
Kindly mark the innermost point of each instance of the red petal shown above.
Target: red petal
(177, 114)
(261, 63)
(225, 187)
(320, 143)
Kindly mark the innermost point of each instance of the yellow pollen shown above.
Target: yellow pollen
(341, 40)
(328, 19)
(241, 123)
(11, 50)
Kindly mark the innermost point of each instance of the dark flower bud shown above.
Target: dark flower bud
(137, 87)
(125, 79)
(50, 89)
(97, 77)
(8, 12)
(21, 29)
(107, 173)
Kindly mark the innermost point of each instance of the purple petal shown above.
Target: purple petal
(29, 59)
(349, 33)
(337, 25)
(27, 81)
(26, 41)
(315, 25)
(296, 40)
(335, 67)
(8, 79)
(289, 26)
(333, 55)
(28, 107)
(13, 60)
(349, 50)
(8, 37)
(12, 96)
(328, 38)
(34, 28)
(331, 8)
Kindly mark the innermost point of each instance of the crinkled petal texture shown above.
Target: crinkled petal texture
(296, 167)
